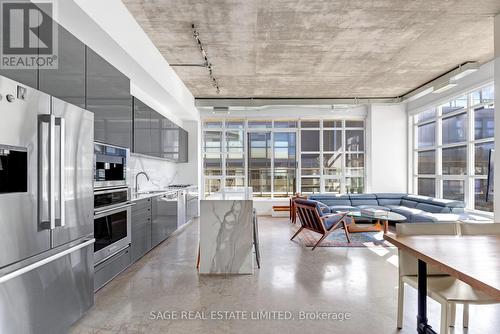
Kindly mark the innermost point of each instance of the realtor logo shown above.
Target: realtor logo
(28, 36)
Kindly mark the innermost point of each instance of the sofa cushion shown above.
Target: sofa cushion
(432, 208)
(436, 201)
(408, 204)
(358, 202)
(378, 207)
(331, 199)
(426, 217)
(354, 197)
(405, 211)
(389, 201)
(390, 195)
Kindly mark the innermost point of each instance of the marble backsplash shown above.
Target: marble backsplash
(161, 172)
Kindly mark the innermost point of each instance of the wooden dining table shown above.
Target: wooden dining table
(474, 260)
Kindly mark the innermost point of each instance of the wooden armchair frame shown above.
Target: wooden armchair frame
(311, 220)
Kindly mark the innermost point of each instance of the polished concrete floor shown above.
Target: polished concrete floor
(359, 282)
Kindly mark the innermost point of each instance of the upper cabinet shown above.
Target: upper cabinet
(142, 128)
(183, 146)
(108, 96)
(157, 136)
(67, 82)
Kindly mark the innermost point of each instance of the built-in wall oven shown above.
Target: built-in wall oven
(110, 166)
(112, 222)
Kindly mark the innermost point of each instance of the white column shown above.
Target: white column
(386, 148)
(496, 189)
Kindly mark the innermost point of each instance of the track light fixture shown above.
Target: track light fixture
(206, 62)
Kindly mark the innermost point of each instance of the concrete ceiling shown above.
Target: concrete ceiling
(318, 48)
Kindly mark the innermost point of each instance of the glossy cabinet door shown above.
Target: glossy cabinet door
(67, 82)
(108, 96)
(28, 77)
(142, 127)
(170, 140)
(157, 136)
(156, 123)
(141, 229)
(183, 146)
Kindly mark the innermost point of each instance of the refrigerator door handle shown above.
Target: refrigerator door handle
(59, 121)
(46, 196)
(23, 270)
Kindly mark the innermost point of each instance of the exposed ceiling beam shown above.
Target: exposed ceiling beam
(437, 85)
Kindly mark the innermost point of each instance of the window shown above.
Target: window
(454, 129)
(427, 135)
(452, 146)
(427, 187)
(280, 157)
(285, 164)
(259, 163)
(427, 162)
(455, 161)
(453, 189)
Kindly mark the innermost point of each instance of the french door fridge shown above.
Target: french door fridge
(46, 211)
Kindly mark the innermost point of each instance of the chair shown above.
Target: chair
(315, 217)
(445, 289)
(293, 209)
(477, 229)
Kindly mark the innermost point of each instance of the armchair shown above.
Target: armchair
(314, 217)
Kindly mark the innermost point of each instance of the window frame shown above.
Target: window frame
(470, 142)
(341, 178)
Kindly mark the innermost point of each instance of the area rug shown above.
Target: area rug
(337, 239)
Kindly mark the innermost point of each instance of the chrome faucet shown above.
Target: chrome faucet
(136, 179)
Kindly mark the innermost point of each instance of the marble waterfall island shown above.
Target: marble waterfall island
(226, 239)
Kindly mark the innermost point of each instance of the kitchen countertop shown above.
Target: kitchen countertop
(140, 196)
(157, 192)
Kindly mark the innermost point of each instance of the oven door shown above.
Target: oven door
(112, 232)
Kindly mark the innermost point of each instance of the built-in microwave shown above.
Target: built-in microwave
(110, 166)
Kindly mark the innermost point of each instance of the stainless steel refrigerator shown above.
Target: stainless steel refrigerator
(46, 211)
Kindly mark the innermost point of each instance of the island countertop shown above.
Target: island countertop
(226, 233)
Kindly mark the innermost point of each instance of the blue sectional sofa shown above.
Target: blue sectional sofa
(416, 209)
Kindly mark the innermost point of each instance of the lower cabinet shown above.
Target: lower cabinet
(164, 217)
(141, 229)
(109, 269)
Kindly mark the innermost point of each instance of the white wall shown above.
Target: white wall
(496, 205)
(386, 148)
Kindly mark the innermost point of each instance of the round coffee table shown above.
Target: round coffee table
(381, 223)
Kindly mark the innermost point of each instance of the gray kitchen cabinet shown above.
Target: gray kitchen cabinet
(157, 136)
(141, 229)
(164, 217)
(108, 96)
(156, 123)
(183, 145)
(142, 128)
(25, 76)
(67, 82)
(109, 269)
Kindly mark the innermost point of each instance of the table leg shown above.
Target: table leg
(422, 326)
(386, 226)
